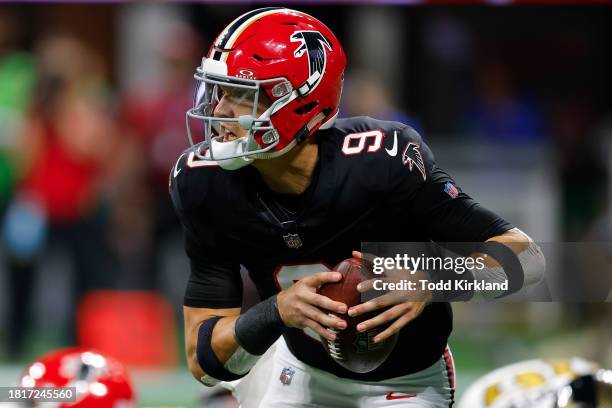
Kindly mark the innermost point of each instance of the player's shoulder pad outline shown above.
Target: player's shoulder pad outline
(189, 180)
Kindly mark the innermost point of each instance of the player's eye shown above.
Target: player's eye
(238, 93)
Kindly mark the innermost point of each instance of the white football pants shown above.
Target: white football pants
(280, 380)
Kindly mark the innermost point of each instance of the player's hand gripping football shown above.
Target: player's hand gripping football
(403, 305)
(299, 305)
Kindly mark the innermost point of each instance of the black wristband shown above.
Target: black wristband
(509, 262)
(258, 328)
(207, 359)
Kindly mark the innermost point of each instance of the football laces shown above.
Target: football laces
(334, 345)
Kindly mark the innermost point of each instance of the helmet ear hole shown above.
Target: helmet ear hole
(304, 109)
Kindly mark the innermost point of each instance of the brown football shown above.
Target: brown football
(354, 351)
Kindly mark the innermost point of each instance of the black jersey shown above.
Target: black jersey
(375, 181)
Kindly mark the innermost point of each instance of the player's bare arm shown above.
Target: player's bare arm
(223, 341)
(299, 306)
(223, 345)
(516, 239)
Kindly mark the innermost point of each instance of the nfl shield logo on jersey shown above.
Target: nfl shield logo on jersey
(286, 375)
(293, 240)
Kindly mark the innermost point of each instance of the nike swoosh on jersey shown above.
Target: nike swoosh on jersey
(176, 170)
(393, 151)
(176, 166)
(390, 396)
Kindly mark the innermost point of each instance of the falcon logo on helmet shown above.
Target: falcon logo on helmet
(313, 44)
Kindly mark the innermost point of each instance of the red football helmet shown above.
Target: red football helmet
(285, 59)
(100, 382)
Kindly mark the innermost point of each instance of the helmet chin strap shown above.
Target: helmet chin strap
(229, 149)
(330, 122)
(301, 135)
(235, 147)
(239, 146)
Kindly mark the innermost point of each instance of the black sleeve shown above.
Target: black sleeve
(444, 212)
(215, 280)
(459, 218)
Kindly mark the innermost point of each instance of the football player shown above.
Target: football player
(561, 383)
(275, 183)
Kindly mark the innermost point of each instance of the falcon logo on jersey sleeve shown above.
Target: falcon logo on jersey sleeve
(313, 43)
(412, 157)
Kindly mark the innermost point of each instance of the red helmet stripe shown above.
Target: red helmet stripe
(228, 37)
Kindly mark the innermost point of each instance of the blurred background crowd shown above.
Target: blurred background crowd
(516, 103)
